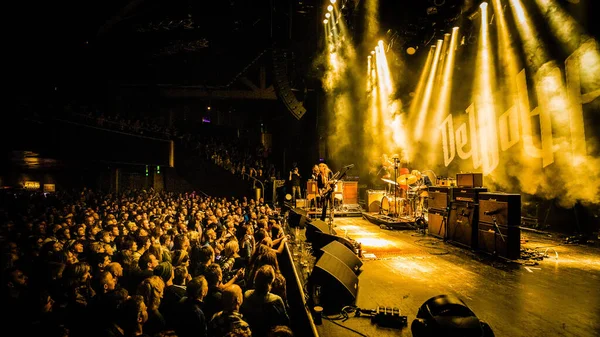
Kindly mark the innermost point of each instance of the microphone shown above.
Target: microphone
(349, 166)
(494, 212)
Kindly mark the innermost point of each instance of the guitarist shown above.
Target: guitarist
(324, 183)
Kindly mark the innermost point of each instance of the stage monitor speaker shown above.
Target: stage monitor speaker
(298, 218)
(436, 223)
(344, 254)
(332, 284)
(462, 224)
(318, 226)
(469, 179)
(505, 208)
(447, 315)
(499, 241)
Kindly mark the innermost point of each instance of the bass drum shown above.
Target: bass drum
(391, 205)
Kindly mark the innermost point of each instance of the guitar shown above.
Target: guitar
(331, 185)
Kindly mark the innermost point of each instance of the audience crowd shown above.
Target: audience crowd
(140, 263)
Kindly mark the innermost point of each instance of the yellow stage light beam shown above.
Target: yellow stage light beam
(440, 71)
(565, 28)
(555, 108)
(423, 110)
(508, 55)
(418, 93)
(385, 75)
(371, 20)
(443, 102)
(534, 49)
(586, 56)
(484, 97)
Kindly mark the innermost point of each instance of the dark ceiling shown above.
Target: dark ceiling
(197, 42)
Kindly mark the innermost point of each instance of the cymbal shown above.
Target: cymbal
(406, 179)
(389, 181)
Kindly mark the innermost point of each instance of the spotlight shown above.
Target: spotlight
(330, 8)
(332, 1)
(372, 52)
(208, 107)
(411, 50)
(325, 21)
(483, 5)
(327, 15)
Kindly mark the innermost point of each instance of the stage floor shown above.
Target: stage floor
(402, 268)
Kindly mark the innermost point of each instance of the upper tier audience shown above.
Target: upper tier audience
(139, 264)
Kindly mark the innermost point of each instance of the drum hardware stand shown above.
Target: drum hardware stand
(395, 198)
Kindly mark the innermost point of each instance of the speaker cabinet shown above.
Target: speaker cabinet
(281, 83)
(505, 208)
(298, 218)
(462, 224)
(440, 197)
(332, 284)
(500, 241)
(468, 194)
(318, 226)
(317, 233)
(350, 192)
(469, 179)
(344, 254)
(301, 203)
(436, 224)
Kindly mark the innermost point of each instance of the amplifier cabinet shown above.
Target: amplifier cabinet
(462, 224)
(504, 207)
(501, 241)
(440, 197)
(436, 223)
(350, 192)
(468, 194)
(469, 179)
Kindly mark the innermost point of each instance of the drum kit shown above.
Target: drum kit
(403, 199)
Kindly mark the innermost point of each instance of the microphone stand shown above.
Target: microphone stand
(396, 186)
(330, 202)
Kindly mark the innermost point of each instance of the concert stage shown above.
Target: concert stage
(555, 295)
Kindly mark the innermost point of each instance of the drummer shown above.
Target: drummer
(422, 182)
(420, 188)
